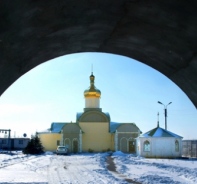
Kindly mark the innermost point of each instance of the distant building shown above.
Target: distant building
(189, 148)
(93, 129)
(13, 143)
(159, 143)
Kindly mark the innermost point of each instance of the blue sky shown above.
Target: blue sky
(53, 92)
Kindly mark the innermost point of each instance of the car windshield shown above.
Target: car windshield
(61, 147)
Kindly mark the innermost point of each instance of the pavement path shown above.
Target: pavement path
(112, 167)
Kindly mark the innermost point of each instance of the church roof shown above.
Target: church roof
(160, 132)
(92, 91)
(56, 127)
(115, 125)
(79, 114)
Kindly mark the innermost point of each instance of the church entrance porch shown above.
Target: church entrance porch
(127, 145)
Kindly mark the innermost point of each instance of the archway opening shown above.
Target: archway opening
(53, 91)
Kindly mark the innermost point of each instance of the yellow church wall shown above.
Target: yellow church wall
(96, 136)
(49, 141)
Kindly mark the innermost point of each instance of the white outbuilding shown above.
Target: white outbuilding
(159, 143)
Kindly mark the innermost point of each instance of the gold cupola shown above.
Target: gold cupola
(92, 91)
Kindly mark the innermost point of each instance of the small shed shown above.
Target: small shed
(159, 143)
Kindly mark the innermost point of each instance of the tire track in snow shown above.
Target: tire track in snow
(16, 160)
(77, 169)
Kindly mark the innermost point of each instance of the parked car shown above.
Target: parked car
(62, 150)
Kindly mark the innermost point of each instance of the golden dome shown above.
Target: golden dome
(92, 91)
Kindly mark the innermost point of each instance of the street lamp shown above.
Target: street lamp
(165, 112)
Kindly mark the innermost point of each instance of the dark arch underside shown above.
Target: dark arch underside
(161, 34)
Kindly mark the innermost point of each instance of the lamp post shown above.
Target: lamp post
(165, 112)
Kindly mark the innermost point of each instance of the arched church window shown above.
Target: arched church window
(176, 145)
(146, 146)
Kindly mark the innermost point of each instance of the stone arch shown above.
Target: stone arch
(166, 44)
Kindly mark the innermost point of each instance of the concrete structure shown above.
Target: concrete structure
(189, 148)
(161, 34)
(159, 143)
(92, 131)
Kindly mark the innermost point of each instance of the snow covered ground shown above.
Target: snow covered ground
(92, 169)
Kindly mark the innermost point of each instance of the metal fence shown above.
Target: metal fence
(189, 148)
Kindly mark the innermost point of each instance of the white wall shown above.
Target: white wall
(20, 146)
(159, 147)
(92, 102)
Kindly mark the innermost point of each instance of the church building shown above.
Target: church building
(93, 130)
